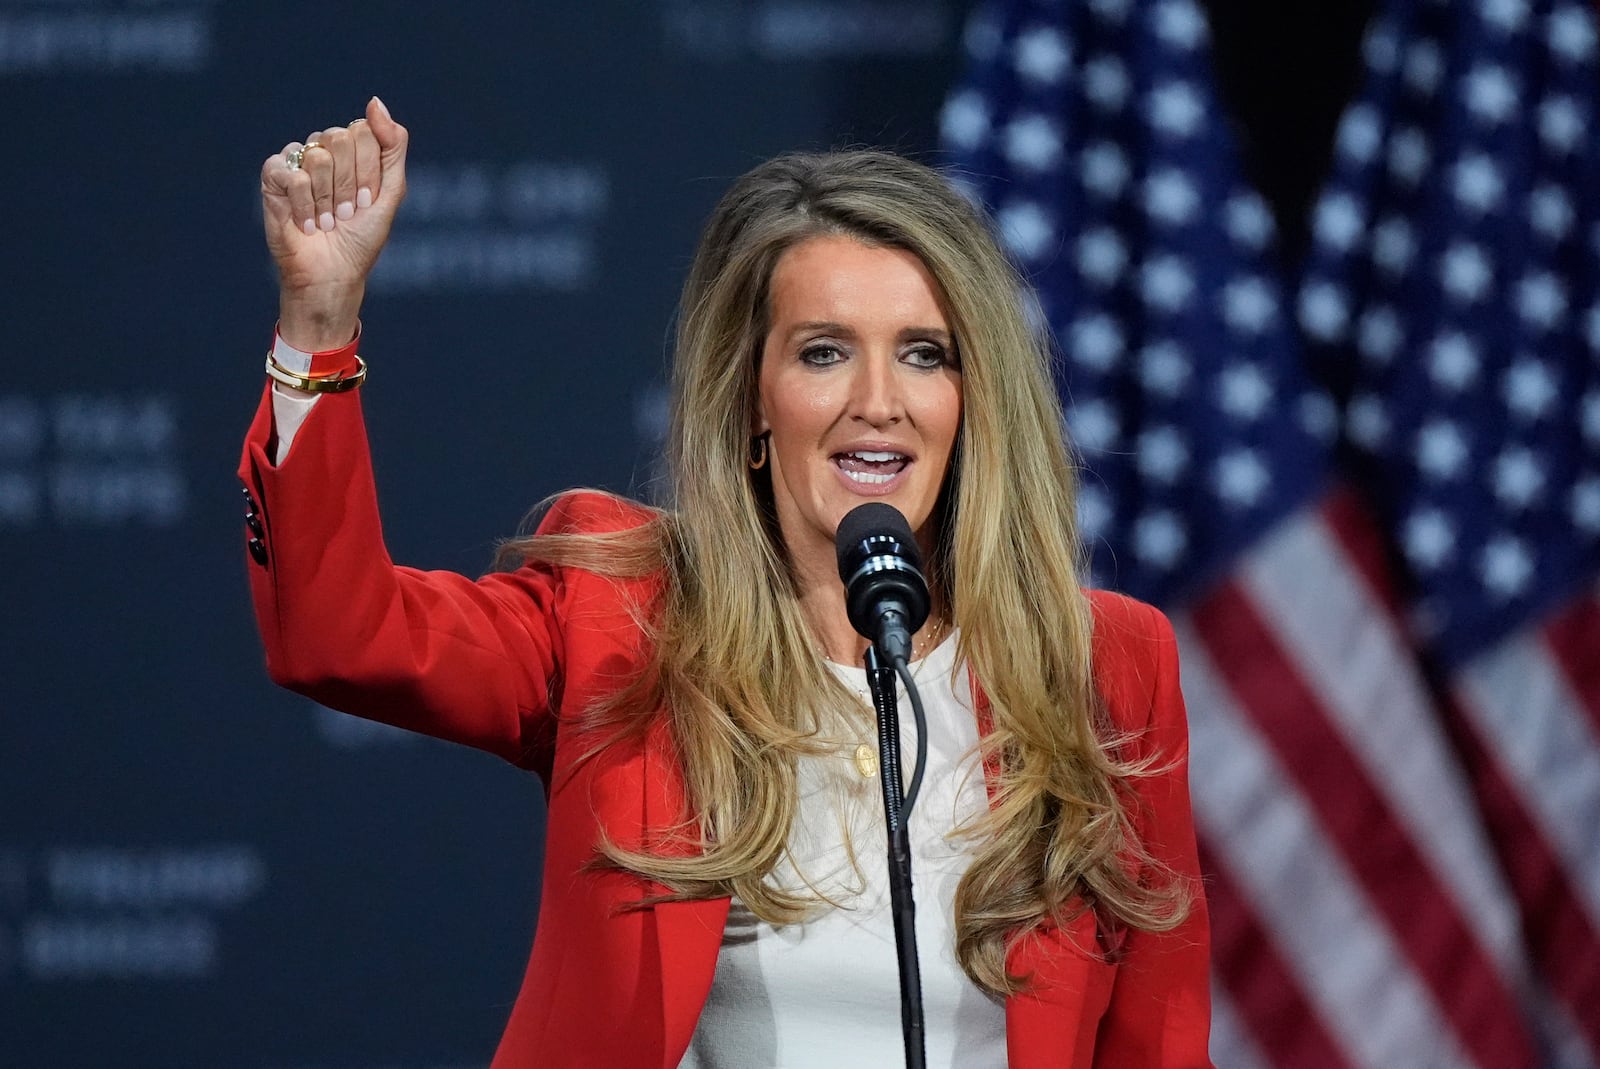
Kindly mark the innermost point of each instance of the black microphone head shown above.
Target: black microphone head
(880, 524)
(880, 564)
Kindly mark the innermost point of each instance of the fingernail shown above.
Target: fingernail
(310, 225)
(381, 106)
(363, 197)
(325, 220)
(345, 209)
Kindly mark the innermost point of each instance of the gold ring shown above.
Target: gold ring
(298, 156)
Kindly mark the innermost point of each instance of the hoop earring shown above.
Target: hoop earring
(758, 453)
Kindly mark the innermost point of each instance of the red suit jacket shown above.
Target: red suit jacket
(502, 663)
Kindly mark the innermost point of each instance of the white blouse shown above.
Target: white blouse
(826, 993)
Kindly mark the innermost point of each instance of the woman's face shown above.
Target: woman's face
(860, 389)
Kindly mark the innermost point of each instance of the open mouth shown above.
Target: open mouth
(870, 467)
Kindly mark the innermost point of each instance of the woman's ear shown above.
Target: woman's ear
(758, 416)
(758, 411)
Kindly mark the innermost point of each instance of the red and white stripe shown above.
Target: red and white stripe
(1361, 916)
(1531, 709)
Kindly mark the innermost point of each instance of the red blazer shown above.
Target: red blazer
(500, 663)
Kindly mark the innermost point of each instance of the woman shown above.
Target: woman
(682, 679)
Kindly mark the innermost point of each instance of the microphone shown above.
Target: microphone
(881, 565)
(887, 599)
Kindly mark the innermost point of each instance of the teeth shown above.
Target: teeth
(877, 458)
(867, 477)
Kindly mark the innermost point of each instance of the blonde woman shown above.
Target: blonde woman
(684, 679)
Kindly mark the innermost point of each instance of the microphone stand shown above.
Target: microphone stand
(897, 813)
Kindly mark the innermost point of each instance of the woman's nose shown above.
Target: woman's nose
(875, 393)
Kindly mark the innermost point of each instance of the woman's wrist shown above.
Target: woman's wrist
(315, 324)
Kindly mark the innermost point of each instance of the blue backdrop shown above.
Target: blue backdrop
(196, 868)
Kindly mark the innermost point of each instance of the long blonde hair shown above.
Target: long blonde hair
(733, 664)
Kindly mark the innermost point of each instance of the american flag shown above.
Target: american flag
(1368, 493)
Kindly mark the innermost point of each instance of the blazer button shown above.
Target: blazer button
(249, 501)
(258, 550)
(252, 521)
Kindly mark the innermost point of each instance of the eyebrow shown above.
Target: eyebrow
(830, 327)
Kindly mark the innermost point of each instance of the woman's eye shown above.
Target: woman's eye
(821, 355)
(927, 356)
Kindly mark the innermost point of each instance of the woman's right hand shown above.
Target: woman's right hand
(327, 221)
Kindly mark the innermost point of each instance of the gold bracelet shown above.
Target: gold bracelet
(335, 384)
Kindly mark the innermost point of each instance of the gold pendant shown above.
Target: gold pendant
(866, 760)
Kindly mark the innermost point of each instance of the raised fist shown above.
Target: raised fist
(328, 204)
